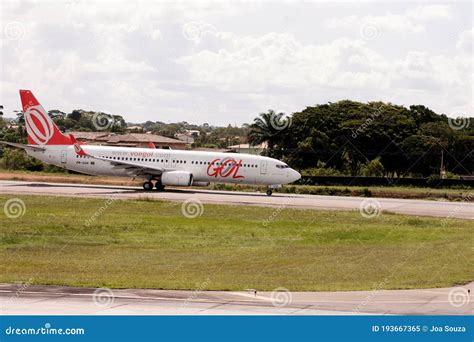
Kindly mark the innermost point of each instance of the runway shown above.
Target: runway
(16, 299)
(441, 209)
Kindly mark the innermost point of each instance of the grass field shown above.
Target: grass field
(372, 191)
(150, 244)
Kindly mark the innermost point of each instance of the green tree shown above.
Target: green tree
(374, 168)
(267, 128)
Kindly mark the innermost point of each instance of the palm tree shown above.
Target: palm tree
(268, 128)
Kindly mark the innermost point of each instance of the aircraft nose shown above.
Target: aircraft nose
(294, 175)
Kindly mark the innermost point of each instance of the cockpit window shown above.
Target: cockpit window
(282, 166)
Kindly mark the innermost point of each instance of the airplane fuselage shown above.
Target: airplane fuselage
(211, 167)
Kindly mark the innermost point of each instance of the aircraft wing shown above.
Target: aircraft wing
(134, 169)
(23, 146)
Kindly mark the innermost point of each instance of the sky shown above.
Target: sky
(226, 62)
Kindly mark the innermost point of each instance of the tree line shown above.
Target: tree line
(340, 138)
(375, 138)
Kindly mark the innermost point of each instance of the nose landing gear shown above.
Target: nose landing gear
(271, 187)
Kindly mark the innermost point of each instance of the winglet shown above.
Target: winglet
(77, 146)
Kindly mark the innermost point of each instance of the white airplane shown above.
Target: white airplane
(166, 167)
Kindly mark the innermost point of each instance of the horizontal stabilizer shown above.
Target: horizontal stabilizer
(23, 146)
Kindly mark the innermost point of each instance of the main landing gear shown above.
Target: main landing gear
(269, 192)
(148, 186)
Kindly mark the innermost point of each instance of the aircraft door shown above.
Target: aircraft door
(64, 157)
(263, 168)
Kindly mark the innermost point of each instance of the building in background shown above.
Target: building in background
(145, 140)
(247, 148)
(184, 137)
(91, 138)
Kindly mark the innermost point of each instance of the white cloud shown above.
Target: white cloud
(138, 59)
(465, 40)
(254, 63)
(412, 20)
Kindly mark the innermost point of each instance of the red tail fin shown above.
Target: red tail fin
(40, 127)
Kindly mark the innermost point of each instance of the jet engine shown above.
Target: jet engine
(177, 178)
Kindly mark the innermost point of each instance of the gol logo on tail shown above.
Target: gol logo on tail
(39, 125)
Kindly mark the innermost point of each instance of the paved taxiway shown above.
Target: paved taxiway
(402, 206)
(16, 299)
